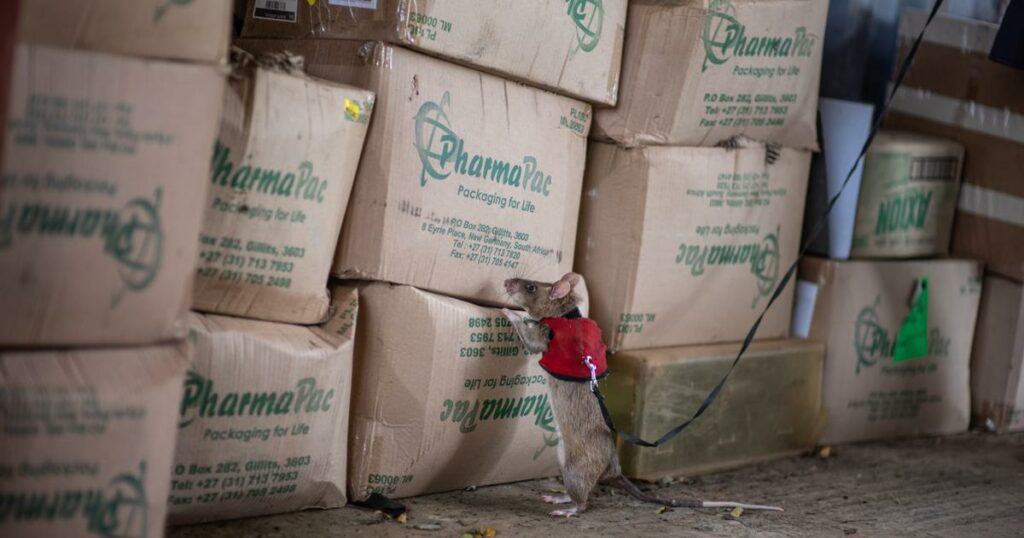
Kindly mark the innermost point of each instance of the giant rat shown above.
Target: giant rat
(586, 453)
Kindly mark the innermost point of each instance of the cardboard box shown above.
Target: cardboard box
(570, 47)
(702, 71)
(954, 91)
(264, 419)
(466, 179)
(651, 392)
(104, 180)
(997, 361)
(198, 31)
(282, 174)
(445, 398)
(88, 440)
(907, 196)
(8, 19)
(901, 200)
(857, 309)
(686, 245)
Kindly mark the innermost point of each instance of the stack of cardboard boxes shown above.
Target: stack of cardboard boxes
(111, 119)
(264, 418)
(898, 328)
(468, 177)
(692, 211)
(955, 91)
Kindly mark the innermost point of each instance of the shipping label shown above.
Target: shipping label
(276, 10)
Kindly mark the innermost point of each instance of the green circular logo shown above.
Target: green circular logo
(871, 340)
(588, 15)
(124, 514)
(138, 245)
(435, 140)
(720, 32)
(765, 266)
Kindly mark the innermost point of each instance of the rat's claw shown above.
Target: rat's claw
(556, 499)
(568, 512)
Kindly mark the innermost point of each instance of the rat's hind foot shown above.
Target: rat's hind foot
(568, 512)
(556, 499)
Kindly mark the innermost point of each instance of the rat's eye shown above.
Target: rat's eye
(531, 288)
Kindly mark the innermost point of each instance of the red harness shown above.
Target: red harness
(573, 339)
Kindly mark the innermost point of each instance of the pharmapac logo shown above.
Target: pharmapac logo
(873, 344)
(588, 15)
(132, 236)
(724, 37)
(442, 153)
(202, 400)
(762, 257)
(119, 510)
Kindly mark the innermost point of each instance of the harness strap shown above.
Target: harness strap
(818, 228)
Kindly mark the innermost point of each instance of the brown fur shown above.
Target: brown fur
(589, 454)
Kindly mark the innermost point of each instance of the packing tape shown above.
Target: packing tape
(991, 204)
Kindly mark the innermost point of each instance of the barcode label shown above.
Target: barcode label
(365, 4)
(934, 169)
(276, 10)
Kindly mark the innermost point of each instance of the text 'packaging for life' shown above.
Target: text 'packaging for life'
(282, 173)
(104, 179)
(686, 245)
(697, 72)
(572, 47)
(466, 178)
(263, 425)
(897, 338)
(87, 440)
(907, 196)
(189, 30)
(444, 398)
(997, 361)
(652, 391)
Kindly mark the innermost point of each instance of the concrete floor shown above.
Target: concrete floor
(965, 486)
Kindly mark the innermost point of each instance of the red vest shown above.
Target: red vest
(571, 340)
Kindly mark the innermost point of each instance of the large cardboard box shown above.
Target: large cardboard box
(104, 180)
(466, 178)
(173, 29)
(686, 245)
(282, 174)
(857, 310)
(573, 47)
(264, 417)
(997, 361)
(444, 398)
(87, 440)
(954, 91)
(653, 391)
(907, 196)
(697, 72)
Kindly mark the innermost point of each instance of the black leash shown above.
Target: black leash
(818, 227)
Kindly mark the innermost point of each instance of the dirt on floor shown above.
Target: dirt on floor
(964, 486)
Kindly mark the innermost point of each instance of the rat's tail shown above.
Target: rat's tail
(624, 484)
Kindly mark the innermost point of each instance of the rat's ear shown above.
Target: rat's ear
(564, 286)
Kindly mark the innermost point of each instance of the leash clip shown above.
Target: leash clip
(593, 372)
